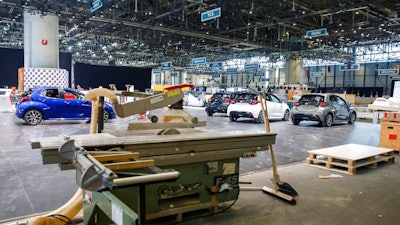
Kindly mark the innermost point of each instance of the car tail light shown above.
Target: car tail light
(254, 102)
(227, 100)
(322, 104)
(232, 101)
(296, 104)
(23, 99)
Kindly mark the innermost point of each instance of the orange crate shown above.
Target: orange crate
(390, 135)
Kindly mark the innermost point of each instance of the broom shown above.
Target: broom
(281, 189)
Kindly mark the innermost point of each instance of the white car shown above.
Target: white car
(248, 105)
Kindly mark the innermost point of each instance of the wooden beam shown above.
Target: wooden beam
(130, 165)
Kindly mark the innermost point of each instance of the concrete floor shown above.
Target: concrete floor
(370, 197)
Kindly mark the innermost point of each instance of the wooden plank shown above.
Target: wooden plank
(98, 153)
(116, 157)
(130, 165)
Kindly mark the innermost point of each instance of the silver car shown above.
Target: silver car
(325, 108)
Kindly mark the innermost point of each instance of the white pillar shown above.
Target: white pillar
(41, 46)
(294, 71)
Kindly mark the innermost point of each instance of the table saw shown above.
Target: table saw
(195, 170)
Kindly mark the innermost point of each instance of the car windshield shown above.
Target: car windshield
(311, 100)
(245, 97)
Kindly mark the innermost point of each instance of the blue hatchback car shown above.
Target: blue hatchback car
(55, 103)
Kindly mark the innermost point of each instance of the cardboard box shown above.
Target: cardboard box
(390, 135)
(391, 116)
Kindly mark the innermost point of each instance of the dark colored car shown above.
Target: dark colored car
(55, 103)
(218, 103)
(325, 108)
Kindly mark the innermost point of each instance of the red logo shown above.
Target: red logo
(44, 42)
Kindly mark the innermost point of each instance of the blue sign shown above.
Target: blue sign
(199, 61)
(317, 33)
(348, 67)
(394, 77)
(317, 74)
(260, 73)
(166, 64)
(156, 71)
(253, 66)
(215, 64)
(212, 14)
(232, 70)
(388, 72)
(95, 5)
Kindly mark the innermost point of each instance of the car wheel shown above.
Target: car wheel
(286, 115)
(352, 118)
(154, 119)
(295, 122)
(328, 121)
(210, 113)
(33, 117)
(232, 118)
(260, 118)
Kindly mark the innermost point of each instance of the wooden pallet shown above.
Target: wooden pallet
(347, 158)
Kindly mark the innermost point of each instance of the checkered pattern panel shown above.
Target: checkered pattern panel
(34, 77)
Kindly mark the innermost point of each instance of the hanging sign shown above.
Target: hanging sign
(348, 67)
(215, 64)
(232, 71)
(199, 61)
(388, 71)
(166, 64)
(251, 67)
(212, 14)
(317, 74)
(317, 33)
(95, 5)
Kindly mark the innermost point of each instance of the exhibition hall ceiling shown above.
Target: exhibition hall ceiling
(148, 32)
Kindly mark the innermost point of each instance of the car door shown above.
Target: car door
(343, 110)
(340, 108)
(274, 107)
(54, 104)
(75, 105)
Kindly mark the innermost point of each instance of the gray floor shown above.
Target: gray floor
(371, 197)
